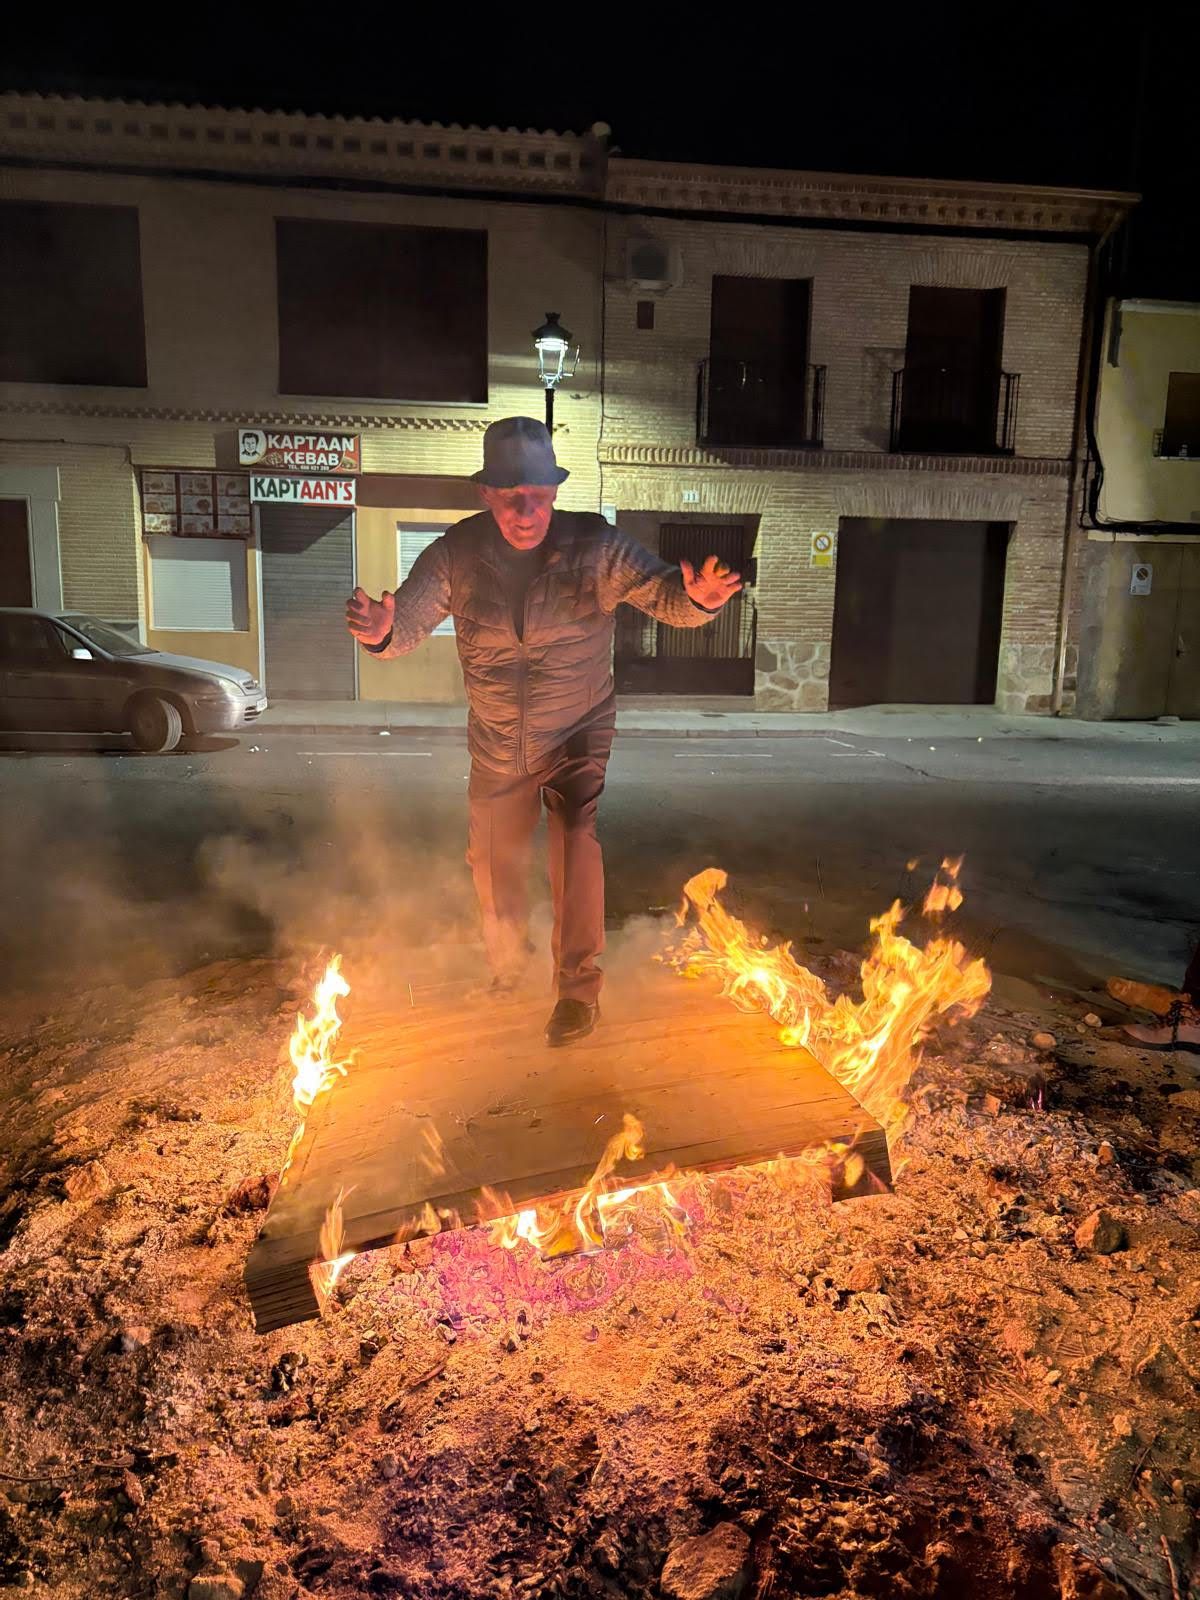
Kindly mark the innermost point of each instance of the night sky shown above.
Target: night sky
(986, 93)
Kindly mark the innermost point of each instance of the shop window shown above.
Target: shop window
(198, 585)
(382, 311)
(71, 295)
(411, 539)
(1181, 426)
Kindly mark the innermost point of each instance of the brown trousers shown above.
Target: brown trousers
(504, 813)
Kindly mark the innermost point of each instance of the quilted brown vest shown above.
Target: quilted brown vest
(527, 695)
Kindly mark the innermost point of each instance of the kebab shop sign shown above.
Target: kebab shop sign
(299, 452)
(301, 491)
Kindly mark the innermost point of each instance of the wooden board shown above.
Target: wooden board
(436, 1070)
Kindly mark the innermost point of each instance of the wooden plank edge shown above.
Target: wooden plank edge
(281, 1288)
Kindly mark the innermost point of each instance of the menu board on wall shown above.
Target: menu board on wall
(196, 505)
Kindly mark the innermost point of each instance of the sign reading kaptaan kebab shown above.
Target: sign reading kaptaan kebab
(301, 491)
(299, 452)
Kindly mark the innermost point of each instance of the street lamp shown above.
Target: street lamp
(556, 359)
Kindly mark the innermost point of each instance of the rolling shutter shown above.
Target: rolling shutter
(197, 585)
(307, 557)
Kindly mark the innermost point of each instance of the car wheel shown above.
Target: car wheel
(156, 725)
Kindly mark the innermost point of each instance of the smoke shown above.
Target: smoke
(126, 869)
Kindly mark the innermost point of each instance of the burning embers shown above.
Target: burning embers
(587, 1222)
(870, 1045)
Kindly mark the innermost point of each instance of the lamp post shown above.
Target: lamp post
(556, 359)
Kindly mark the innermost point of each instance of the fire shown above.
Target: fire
(311, 1049)
(332, 1260)
(581, 1222)
(944, 895)
(869, 1045)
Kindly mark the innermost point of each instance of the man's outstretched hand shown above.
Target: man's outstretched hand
(370, 621)
(712, 585)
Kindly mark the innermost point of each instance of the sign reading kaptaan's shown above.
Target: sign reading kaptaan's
(300, 452)
(302, 491)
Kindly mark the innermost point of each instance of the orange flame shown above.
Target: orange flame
(311, 1049)
(579, 1222)
(332, 1260)
(944, 896)
(869, 1045)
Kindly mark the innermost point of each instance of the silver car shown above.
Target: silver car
(69, 673)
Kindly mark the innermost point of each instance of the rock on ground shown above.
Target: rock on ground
(712, 1566)
(1100, 1232)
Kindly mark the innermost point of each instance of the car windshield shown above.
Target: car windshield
(110, 639)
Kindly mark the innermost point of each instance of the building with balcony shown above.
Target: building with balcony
(866, 393)
(862, 392)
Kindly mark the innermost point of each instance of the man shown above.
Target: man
(532, 592)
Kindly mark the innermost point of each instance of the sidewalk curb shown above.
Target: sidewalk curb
(440, 731)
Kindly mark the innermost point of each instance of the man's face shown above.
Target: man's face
(522, 514)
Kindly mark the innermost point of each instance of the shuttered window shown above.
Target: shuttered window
(411, 539)
(382, 310)
(198, 585)
(71, 295)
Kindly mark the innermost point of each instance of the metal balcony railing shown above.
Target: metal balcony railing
(954, 411)
(754, 405)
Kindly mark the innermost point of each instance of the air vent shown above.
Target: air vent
(652, 264)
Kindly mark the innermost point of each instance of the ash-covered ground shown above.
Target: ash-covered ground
(971, 1385)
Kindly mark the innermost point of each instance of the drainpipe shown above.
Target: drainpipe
(1093, 315)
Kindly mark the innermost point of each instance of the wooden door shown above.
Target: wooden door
(952, 361)
(917, 612)
(1183, 684)
(16, 571)
(758, 362)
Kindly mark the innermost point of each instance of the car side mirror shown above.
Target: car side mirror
(81, 654)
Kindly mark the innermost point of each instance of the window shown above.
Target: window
(29, 639)
(411, 539)
(381, 311)
(948, 395)
(756, 383)
(1181, 426)
(645, 314)
(198, 585)
(71, 295)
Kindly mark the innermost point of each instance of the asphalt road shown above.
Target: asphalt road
(1081, 857)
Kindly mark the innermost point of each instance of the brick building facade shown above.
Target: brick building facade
(563, 223)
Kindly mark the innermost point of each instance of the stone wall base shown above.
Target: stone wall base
(791, 675)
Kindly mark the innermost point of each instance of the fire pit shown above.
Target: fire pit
(437, 1127)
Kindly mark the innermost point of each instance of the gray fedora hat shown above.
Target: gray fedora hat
(518, 450)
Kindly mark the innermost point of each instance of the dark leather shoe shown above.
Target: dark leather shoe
(571, 1020)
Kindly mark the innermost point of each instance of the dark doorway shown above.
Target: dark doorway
(952, 360)
(917, 612)
(758, 363)
(651, 658)
(307, 559)
(16, 571)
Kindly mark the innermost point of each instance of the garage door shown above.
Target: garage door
(917, 612)
(307, 574)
